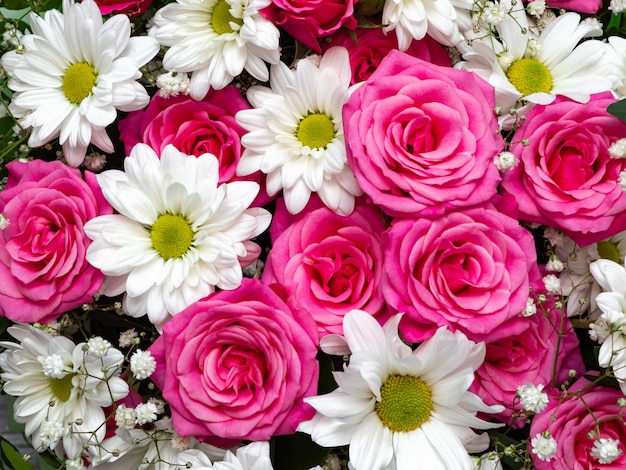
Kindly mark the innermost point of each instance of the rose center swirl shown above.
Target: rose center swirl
(171, 235)
(316, 131)
(406, 403)
(221, 18)
(530, 76)
(78, 82)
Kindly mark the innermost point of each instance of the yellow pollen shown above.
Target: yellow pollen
(62, 388)
(171, 236)
(316, 131)
(530, 76)
(221, 18)
(608, 250)
(78, 82)
(406, 403)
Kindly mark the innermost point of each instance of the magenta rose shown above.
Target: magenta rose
(237, 365)
(566, 177)
(470, 271)
(367, 47)
(127, 7)
(421, 138)
(329, 264)
(43, 270)
(570, 423)
(583, 6)
(309, 20)
(531, 356)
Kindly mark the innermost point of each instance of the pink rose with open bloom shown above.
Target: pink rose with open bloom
(583, 6)
(43, 270)
(309, 20)
(367, 47)
(470, 271)
(528, 357)
(127, 7)
(237, 365)
(329, 264)
(421, 138)
(566, 177)
(570, 421)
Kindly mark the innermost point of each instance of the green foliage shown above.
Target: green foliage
(10, 457)
(618, 109)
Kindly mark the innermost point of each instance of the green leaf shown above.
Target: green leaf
(296, 452)
(12, 457)
(14, 426)
(15, 5)
(47, 461)
(618, 109)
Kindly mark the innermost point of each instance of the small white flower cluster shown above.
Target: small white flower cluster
(618, 149)
(543, 446)
(11, 38)
(173, 84)
(605, 451)
(142, 364)
(552, 283)
(143, 413)
(532, 398)
(617, 6)
(505, 161)
(531, 308)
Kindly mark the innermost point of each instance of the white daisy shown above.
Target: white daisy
(61, 388)
(394, 403)
(76, 71)
(178, 234)
(536, 66)
(296, 133)
(444, 20)
(216, 40)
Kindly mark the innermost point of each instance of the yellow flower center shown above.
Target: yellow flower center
(171, 236)
(78, 81)
(62, 388)
(406, 403)
(530, 76)
(608, 250)
(221, 18)
(316, 131)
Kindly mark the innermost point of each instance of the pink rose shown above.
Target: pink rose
(43, 270)
(127, 7)
(193, 127)
(528, 357)
(470, 271)
(368, 46)
(565, 177)
(329, 264)
(570, 423)
(421, 138)
(237, 365)
(309, 20)
(583, 6)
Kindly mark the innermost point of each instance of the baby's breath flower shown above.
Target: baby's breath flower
(618, 149)
(622, 180)
(555, 264)
(125, 417)
(127, 338)
(142, 364)
(505, 161)
(532, 398)
(98, 346)
(536, 8)
(554, 236)
(95, 161)
(531, 308)
(543, 446)
(50, 433)
(605, 451)
(173, 84)
(4, 222)
(53, 366)
(146, 413)
(552, 283)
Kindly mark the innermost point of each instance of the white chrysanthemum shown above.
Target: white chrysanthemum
(612, 302)
(178, 234)
(443, 20)
(62, 410)
(216, 40)
(296, 133)
(535, 67)
(394, 403)
(75, 72)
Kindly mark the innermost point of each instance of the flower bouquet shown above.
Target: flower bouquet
(306, 234)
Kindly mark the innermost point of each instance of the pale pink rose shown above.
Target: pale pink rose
(570, 421)
(565, 177)
(531, 356)
(43, 270)
(470, 271)
(237, 365)
(421, 138)
(127, 7)
(329, 264)
(583, 6)
(367, 47)
(309, 20)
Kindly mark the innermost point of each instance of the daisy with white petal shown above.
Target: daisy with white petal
(216, 40)
(296, 133)
(178, 233)
(75, 73)
(61, 388)
(534, 66)
(394, 403)
(443, 20)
